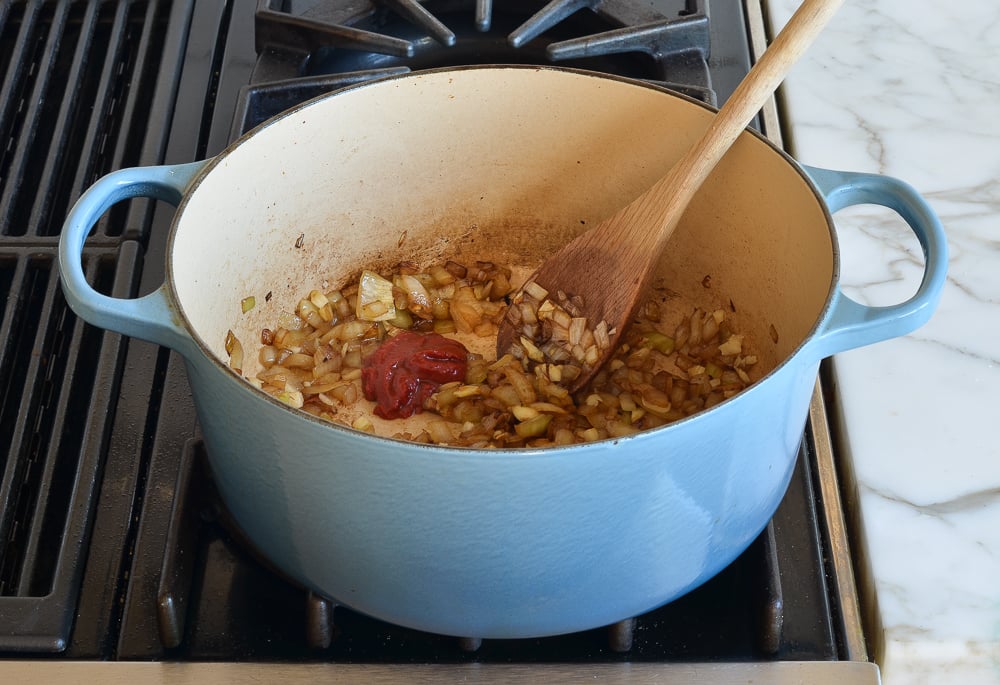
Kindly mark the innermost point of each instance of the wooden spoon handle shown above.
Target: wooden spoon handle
(670, 196)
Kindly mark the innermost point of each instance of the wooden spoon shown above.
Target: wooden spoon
(610, 265)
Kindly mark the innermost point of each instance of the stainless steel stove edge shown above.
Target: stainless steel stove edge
(115, 673)
(848, 562)
(849, 559)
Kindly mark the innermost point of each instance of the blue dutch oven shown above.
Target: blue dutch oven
(503, 164)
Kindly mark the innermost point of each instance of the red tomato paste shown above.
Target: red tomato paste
(407, 368)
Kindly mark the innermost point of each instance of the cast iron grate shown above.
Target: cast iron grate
(311, 48)
(74, 75)
(47, 371)
(77, 81)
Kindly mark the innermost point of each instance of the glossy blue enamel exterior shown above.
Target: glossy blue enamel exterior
(504, 544)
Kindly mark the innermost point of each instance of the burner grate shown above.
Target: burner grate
(401, 28)
(73, 78)
(310, 49)
(302, 44)
(60, 139)
(54, 372)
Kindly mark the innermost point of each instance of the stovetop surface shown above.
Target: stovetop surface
(103, 476)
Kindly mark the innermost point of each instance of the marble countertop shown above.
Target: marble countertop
(914, 93)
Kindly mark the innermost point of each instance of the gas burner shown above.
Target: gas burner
(306, 49)
(405, 29)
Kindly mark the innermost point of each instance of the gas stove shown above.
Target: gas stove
(115, 551)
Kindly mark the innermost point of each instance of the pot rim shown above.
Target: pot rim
(244, 139)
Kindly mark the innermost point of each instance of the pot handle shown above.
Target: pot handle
(152, 317)
(848, 323)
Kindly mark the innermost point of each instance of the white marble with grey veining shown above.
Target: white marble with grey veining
(912, 90)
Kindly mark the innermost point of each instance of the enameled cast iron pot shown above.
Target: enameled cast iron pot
(501, 163)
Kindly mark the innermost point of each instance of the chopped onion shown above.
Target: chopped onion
(375, 300)
(522, 413)
(292, 399)
(417, 296)
(363, 423)
(733, 345)
(662, 371)
(234, 348)
(533, 427)
(535, 290)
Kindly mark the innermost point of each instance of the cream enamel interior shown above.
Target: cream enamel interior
(503, 164)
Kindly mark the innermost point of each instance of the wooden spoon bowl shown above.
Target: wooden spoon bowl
(608, 268)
